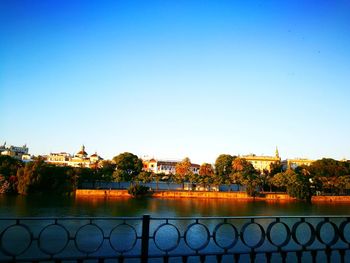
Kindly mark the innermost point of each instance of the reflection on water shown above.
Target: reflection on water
(70, 206)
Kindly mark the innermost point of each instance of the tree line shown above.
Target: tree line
(322, 176)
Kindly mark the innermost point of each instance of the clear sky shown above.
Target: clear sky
(176, 78)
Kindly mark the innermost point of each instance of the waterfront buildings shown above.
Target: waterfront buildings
(262, 163)
(83, 159)
(294, 163)
(165, 166)
(80, 159)
(17, 152)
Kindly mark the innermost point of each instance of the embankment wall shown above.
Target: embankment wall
(182, 194)
(204, 194)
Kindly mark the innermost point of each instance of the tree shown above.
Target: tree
(329, 167)
(156, 177)
(297, 183)
(223, 167)
(275, 168)
(267, 174)
(128, 166)
(333, 184)
(84, 175)
(281, 181)
(236, 178)
(144, 177)
(207, 175)
(300, 187)
(183, 171)
(249, 176)
(107, 169)
(39, 177)
(8, 174)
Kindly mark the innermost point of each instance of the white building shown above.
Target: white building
(15, 151)
(294, 163)
(165, 166)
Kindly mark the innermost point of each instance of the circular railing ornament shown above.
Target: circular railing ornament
(312, 233)
(19, 236)
(87, 244)
(235, 235)
(288, 234)
(335, 230)
(342, 231)
(50, 235)
(206, 231)
(123, 229)
(176, 240)
(261, 239)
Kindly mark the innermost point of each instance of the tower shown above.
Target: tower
(277, 153)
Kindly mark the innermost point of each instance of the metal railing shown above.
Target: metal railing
(178, 239)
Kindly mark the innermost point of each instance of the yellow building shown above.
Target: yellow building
(61, 158)
(80, 159)
(262, 163)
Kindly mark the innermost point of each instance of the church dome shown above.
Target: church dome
(82, 151)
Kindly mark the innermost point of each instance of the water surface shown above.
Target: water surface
(96, 206)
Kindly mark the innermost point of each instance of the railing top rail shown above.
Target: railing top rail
(249, 217)
(173, 218)
(72, 218)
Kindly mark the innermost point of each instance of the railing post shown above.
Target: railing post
(145, 238)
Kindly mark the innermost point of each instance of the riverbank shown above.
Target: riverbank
(184, 194)
(206, 194)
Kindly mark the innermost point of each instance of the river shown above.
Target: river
(25, 206)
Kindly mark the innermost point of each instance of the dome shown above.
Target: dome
(82, 151)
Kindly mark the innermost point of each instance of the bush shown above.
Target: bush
(138, 190)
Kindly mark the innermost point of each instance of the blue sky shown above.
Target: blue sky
(176, 78)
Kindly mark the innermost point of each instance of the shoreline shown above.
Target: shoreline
(205, 195)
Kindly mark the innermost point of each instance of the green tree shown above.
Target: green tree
(297, 183)
(329, 167)
(107, 169)
(128, 166)
(250, 177)
(281, 180)
(156, 177)
(84, 175)
(223, 167)
(275, 168)
(39, 177)
(144, 177)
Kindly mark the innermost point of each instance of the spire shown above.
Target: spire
(277, 153)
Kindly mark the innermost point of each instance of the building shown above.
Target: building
(262, 163)
(80, 159)
(61, 158)
(294, 163)
(18, 152)
(165, 166)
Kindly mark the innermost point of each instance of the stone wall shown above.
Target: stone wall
(101, 193)
(330, 198)
(205, 194)
(183, 194)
